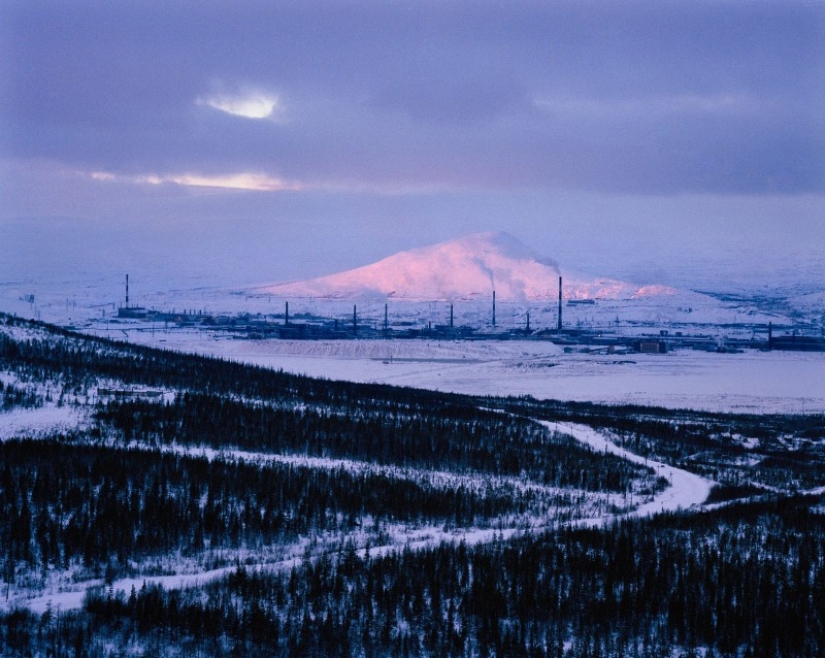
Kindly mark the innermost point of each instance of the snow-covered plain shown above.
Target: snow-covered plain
(751, 382)
(45, 421)
(780, 382)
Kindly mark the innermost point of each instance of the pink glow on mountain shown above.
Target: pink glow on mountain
(462, 269)
(654, 291)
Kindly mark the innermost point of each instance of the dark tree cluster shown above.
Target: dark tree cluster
(65, 502)
(479, 441)
(746, 581)
(15, 396)
(80, 360)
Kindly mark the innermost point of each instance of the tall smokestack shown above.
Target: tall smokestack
(286, 315)
(528, 320)
(127, 291)
(386, 318)
(494, 308)
(559, 305)
(451, 316)
(354, 319)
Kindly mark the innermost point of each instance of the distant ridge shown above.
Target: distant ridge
(464, 269)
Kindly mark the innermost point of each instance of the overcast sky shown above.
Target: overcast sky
(643, 138)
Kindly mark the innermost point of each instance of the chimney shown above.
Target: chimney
(451, 316)
(286, 315)
(494, 308)
(127, 291)
(354, 319)
(559, 305)
(386, 319)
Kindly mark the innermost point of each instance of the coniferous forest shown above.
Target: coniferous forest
(322, 518)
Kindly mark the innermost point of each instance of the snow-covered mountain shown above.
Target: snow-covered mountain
(464, 269)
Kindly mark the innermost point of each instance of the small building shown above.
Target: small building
(650, 346)
(133, 312)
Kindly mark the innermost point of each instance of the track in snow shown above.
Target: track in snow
(686, 489)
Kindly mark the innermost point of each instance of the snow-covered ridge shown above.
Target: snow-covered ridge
(467, 268)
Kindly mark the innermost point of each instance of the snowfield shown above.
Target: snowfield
(45, 421)
(750, 382)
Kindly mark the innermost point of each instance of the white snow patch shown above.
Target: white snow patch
(44, 421)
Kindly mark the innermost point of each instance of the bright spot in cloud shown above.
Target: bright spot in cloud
(251, 105)
(243, 181)
(240, 181)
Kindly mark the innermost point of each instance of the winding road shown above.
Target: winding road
(686, 489)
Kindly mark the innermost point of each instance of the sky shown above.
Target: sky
(678, 142)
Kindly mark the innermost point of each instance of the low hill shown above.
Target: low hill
(468, 268)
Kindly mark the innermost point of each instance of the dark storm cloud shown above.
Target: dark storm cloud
(645, 97)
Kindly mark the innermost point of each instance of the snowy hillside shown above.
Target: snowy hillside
(420, 285)
(467, 271)
(464, 269)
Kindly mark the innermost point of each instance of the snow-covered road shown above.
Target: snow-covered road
(686, 489)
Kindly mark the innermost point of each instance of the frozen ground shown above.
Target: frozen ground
(45, 421)
(753, 381)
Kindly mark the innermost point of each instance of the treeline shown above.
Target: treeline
(74, 503)
(477, 440)
(632, 418)
(743, 581)
(14, 396)
(80, 361)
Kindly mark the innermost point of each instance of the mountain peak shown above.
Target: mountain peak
(465, 268)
